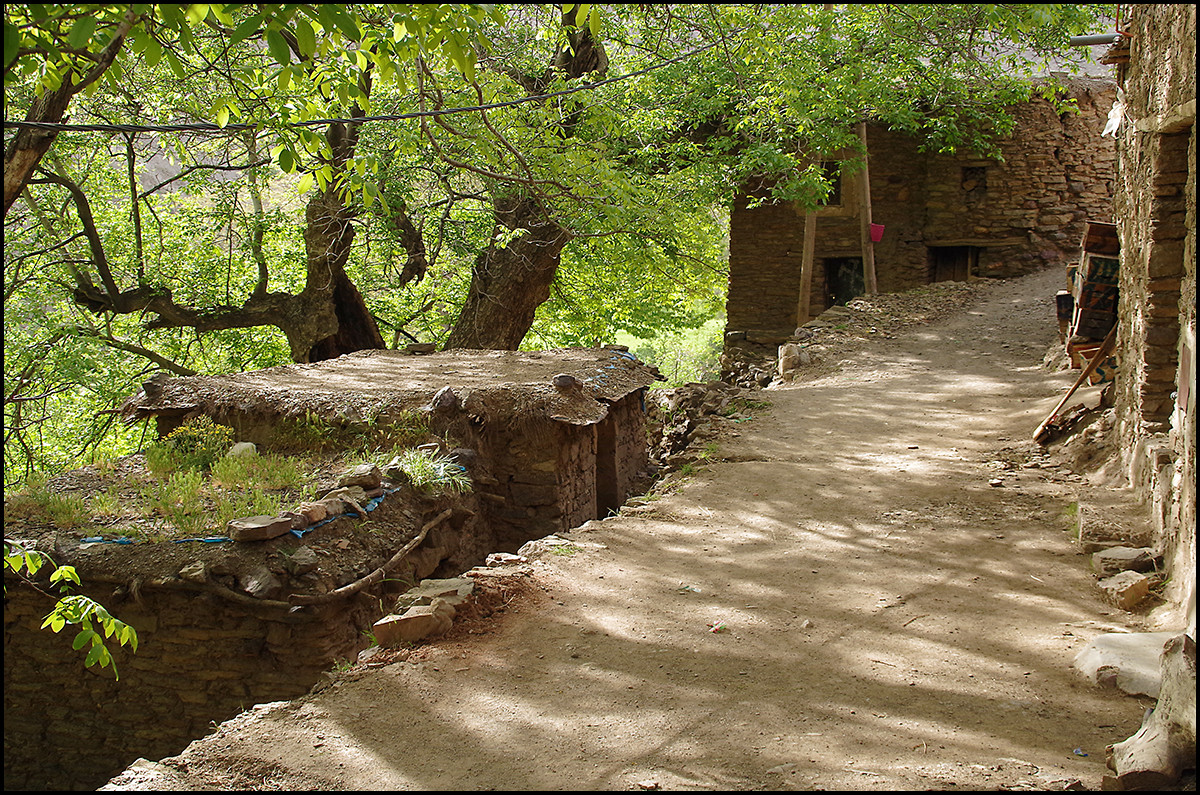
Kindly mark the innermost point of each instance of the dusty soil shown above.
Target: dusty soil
(871, 586)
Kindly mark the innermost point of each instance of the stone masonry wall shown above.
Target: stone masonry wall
(1156, 344)
(631, 443)
(544, 473)
(202, 657)
(1021, 212)
(764, 267)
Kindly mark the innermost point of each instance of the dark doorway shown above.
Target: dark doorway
(843, 279)
(952, 263)
(608, 494)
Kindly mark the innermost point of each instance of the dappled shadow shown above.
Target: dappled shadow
(886, 617)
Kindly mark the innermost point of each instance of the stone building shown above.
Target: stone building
(941, 217)
(1155, 380)
(550, 440)
(1156, 340)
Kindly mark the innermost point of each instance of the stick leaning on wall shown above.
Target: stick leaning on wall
(1101, 354)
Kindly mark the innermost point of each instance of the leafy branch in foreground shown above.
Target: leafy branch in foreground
(71, 609)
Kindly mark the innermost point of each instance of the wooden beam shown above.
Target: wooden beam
(868, 248)
(806, 268)
(1101, 354)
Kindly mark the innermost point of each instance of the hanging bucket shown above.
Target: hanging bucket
(876, 233)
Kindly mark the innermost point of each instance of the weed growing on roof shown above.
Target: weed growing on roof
(314, 432)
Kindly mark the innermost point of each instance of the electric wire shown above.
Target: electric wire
(210, 128)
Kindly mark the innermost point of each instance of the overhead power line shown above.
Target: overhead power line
(209, 128)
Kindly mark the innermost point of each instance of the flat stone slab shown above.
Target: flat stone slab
(258, 528)
(1126, 589)
(1115, 559)
(453, 590)
(365, 476)
(1125, 660)
(417, 622)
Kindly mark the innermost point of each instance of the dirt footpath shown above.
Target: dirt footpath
(872, 586)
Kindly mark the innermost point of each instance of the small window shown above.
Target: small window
(832, 171)
(974, 182)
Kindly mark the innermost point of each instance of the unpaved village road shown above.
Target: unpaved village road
(895, 610)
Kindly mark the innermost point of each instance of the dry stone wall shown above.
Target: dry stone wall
(545, 475)
(207, 647)
(1156, 212)
(200, 659)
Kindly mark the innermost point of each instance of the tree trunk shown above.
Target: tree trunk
(356, 327)
(509, 283)
(1165, 746)
(27, 147)
(340, 322)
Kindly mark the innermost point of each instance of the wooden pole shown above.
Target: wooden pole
(868, 248)
(806, 268)
(1101, 355)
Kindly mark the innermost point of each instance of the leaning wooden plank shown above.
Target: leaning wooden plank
(1101, 354)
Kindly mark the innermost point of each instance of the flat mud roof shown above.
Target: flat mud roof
(378, 384)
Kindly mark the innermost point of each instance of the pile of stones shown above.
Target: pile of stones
(1126, 568)
(680, 416)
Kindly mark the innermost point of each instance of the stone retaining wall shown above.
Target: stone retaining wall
(1156, 343)
(202, 657)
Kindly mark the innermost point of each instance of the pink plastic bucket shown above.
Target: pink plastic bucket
(876, 233)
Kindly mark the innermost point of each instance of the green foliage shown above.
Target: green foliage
(178, 500)
(65, 511)
(639, 171)
(271, 471)
(194, 445)
(689, 356)
(238, 486)
(433, 473)
(96, 624)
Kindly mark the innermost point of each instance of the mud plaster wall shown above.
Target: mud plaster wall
(1156, 214)
(201, 658)
(1056, 173)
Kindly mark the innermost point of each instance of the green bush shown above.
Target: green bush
(194, 445)
(691, 355)
(433, 473)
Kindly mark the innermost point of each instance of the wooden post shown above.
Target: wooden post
(868, 248)
(806, 268)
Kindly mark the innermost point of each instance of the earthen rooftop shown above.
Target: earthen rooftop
(378, 384)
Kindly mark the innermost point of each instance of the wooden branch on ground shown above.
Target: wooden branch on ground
(377, 575)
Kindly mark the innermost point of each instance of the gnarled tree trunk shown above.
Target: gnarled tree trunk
(340, 322)
(509, 283)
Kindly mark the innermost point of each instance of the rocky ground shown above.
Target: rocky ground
(873, 584)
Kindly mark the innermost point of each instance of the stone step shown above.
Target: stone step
(1112, 519)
